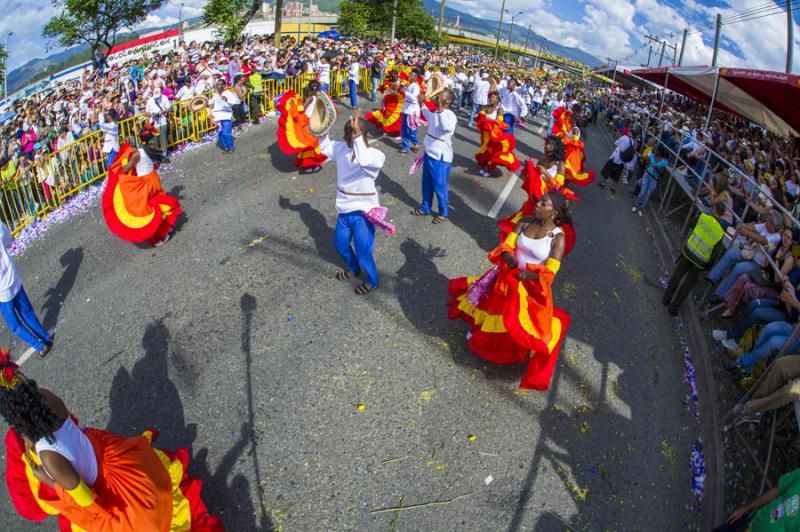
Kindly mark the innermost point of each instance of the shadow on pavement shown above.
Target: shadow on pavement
(71, 261)
(282, 163)
(318, 228)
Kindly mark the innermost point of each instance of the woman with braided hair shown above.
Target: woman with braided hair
(135, 206)
(90, 478)
(510, 307)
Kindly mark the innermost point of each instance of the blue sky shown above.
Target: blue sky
(605, 28)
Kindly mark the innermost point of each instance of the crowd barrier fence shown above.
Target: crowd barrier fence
(54, 178)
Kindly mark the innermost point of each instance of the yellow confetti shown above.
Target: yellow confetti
(310, 190)
(255, 242)
(427, 395)
(471, 437)
(585, 426)
(361, 407)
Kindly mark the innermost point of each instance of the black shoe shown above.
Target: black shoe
(673, 310)
(48, 346)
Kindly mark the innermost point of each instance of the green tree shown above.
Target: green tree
(95, 22)
(367, 18)
(354, 18)
(230, 17)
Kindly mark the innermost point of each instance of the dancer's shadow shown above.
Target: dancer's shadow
(481, 228)
(176, 192)
(147, 398)
(389, 186)
(280, 161)
(421, 289)
(71, 261)
(318, 228)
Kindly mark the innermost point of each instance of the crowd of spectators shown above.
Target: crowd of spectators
(749, 179)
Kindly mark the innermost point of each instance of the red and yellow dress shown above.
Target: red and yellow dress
(135, 207)
(513, 321)
(497, 143)
(536, 185)
(138, 489)
(294, 138)
(562, 122)
(389, 117)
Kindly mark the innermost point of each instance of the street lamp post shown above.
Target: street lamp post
(5, 67)
(511, 29)
(180, 23)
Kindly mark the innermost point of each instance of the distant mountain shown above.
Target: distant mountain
(480, 25)
(21, 76)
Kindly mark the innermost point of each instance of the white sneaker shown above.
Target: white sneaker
(719, 335)
(633, 209)
(640, 213)
(730, 345)
(625, 180)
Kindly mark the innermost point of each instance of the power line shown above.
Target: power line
(780, 4)
(776, 9)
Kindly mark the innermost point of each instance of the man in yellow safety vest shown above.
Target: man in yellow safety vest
(696, 256)
(256, 95)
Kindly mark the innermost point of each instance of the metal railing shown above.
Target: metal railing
(52, 179)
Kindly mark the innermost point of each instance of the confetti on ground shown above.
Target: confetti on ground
(74, 206)
(471, 437)
(361, 407)
(253, 243)
(427, 395)
(488, 480)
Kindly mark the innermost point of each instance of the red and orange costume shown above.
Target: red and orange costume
(574, 159)
(562, 126)
(497, 144)
(294, 137)
(138, 488)
(135, 207)
(389, 117)
(536, 186)
(513, 318)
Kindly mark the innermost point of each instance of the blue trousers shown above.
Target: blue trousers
(476, 108)
(352, 226)
(509, 119)
(409, 135)
(110, 160)
(758, 311)
(732, 259)
(324, 87)
(648, 187)
(772, 338)
(22, 321)
(435, 174)
(353, 93)
(225, 136)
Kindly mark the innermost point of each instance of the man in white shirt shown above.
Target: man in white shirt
(157, 108)
(410, 113)
(480, 97)
(616, 163)
(357, 167)
(223, 113)
(438, 157)
(107, 123)
(186, 92)
(512, 103)
(324, 69)
(15, 306)
(352, 81)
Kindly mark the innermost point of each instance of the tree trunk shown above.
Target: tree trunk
(278, 21)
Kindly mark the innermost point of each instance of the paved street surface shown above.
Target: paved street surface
(235, 339)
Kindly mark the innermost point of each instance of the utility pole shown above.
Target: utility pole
(527, 37)
(441, 20)
(649, 55)
(663, 47)
(180, 23)
(789, 37)
(499, 28)
(308, 24)
(683, 46)
(394, 19)
(716, 40)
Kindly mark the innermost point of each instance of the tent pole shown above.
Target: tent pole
(789, 37)
(663, 93)
(713, 101)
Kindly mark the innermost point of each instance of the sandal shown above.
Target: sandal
(439, 219)
(418, 212)
(364, 289)
(343, 275)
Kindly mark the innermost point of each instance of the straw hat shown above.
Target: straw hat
(323, 115)
(198, 103)
(494, 82)
(436, 84)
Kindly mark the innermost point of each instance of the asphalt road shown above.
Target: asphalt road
(234, 339)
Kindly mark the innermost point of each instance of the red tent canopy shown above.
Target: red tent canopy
(771, 99)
